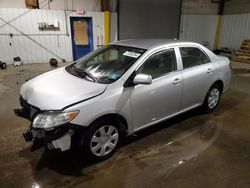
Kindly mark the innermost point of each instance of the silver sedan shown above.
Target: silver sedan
(118, 90)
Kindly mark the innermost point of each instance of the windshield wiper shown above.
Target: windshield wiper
(83, 74)
(88, 75)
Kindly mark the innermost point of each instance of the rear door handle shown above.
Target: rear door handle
(209, 70)
(176, 81)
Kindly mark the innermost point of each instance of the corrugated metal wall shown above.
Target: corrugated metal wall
(198, 28)
(234, 29)
(31, 50)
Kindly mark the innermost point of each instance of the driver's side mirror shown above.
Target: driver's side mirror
(144, 79)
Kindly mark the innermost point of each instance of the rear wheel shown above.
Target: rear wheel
(212, 98)
(101, 140)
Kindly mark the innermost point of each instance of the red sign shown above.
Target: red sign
(80, 11)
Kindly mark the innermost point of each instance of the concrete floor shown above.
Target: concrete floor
(193, 150)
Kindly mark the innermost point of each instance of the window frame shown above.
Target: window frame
(192, 46)
(158, 51)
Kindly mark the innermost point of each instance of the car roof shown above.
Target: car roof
(148, 43)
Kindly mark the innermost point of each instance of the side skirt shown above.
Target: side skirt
(165, 118)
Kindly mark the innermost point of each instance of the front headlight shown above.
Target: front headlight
(49, 120)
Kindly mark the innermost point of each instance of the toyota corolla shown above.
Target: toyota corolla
(120, 89)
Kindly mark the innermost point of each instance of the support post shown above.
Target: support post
(106, 26)
(217, 32)
(218, 24)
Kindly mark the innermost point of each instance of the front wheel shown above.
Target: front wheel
(212, 98)
(101, 140)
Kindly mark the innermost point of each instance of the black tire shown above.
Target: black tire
(85, 139)
(53, 62)
(206, 107)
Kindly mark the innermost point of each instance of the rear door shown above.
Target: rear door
(197, 75)
(152, 103)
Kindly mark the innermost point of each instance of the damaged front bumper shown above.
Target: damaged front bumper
(59, 138)
(21, 112)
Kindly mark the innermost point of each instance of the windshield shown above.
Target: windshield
(106, 64)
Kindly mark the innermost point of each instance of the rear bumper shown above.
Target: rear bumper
(227, 81)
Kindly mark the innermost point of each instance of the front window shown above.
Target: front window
(106, 64)
(159, 64)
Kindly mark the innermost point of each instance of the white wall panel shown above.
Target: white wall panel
(12, 4)
(113, 35)
(234, 29)
(88, 5)
(198, 28)
(26, 21)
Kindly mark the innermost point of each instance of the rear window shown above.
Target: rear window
(192, 56)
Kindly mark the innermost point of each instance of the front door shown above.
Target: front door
(152, 103)
(81, 36)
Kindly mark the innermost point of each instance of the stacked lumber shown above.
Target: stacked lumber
(243, 54)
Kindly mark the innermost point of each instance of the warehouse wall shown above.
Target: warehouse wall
(149, 19)
(237, 7)
(88, 5)
(234, 29)
(113, 35)
(198, 28)
(235, 23)
(45, 44)
(12, 4)
(199, 22)
(201, 28)
(201, 7)
(206, 7)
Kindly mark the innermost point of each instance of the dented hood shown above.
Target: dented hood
(57, 89)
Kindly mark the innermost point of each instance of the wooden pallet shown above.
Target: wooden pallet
(240, 53)
(241, 58)
(244, 51)
(243, 54)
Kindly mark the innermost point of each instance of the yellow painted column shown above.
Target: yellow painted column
(217, 32)
(106, 27)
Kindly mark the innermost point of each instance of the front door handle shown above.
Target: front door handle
(209, 71)
(177, 81)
